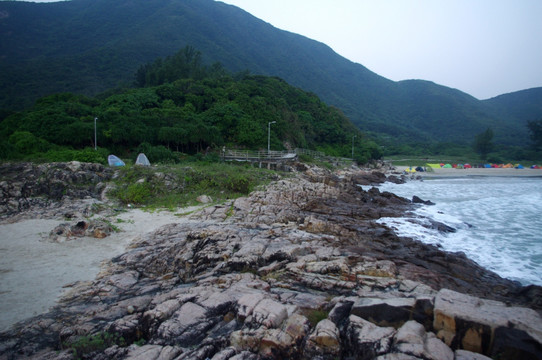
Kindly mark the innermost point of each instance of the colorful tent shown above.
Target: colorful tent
(447, 166)
(115, 161)
(519, 166)
(434, 166)
(508, 166)
(487, 166)
(467, 166)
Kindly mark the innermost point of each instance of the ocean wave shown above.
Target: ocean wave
(497, 220)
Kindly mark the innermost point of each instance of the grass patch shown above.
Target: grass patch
(91, 343)
(315, 315)
(113, 227)
(121, 221)
(173, 186)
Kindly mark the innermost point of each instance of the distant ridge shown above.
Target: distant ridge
(90, 46)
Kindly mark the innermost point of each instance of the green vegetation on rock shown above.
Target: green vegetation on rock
(173, 186)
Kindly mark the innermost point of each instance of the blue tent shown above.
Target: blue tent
(115, 161)
(519, 166)
(487, 166)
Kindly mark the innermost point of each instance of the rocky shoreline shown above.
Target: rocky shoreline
(299, 270)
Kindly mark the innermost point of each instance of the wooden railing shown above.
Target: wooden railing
(249, 155)
(264, 155)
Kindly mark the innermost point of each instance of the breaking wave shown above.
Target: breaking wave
(498, 221)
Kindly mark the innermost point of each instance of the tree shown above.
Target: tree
(483, 144)
(535, 132)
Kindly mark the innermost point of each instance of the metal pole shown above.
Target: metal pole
(95, 143)
(353, 146)
(269, 136)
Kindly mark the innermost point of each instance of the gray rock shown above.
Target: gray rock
(245, 355)
(397, 356)
(366, 340)
(340, 312)
(247, 303)
(224, 354)
(187, 326)
(324, 340)
(411, 339)
(467, 355)
(269, 313)
(385, 312)
(204, 199)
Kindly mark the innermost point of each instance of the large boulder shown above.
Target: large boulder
(411, 339)
(487, 327)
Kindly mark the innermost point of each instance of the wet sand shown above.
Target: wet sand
(35, 272)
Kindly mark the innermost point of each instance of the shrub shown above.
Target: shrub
(85, 155)
(157, 154)
(91, 343)
(315, 316)
(26, 143)
(138, 193)
(238, 183)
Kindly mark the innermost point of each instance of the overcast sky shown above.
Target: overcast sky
(482, 47)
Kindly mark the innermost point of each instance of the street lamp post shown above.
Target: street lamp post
(269, 136)
(353, 137)
(95, 143)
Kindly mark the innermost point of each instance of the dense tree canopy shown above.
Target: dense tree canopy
(483, 143)
(184, 106)
(535, 132)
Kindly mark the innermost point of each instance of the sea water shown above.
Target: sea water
(498, 221)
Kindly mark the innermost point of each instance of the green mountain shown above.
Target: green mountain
(90, 46)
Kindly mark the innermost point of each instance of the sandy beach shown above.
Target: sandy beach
(474, 172)
(35, 271)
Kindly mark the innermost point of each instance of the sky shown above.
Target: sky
(482, 47)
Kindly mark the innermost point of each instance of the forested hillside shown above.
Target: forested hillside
(525, 105)
(89, 46)
(182, 106)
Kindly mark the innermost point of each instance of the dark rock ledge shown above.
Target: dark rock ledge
(299, 270)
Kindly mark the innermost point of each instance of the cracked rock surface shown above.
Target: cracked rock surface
(300, 270)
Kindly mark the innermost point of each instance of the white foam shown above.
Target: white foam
(498, 221)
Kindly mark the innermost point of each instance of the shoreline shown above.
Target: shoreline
(444, 172)
(486, 213)
(229, 279)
